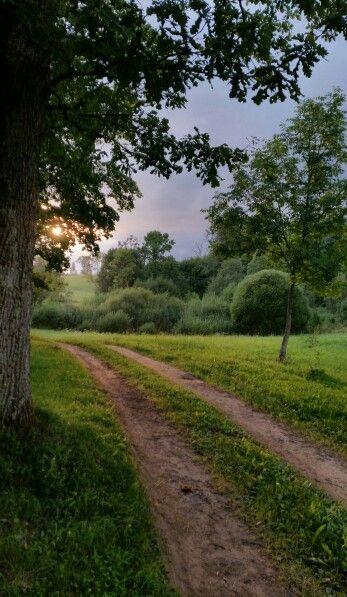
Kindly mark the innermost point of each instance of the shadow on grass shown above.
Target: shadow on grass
(73, 514)
(320, 376)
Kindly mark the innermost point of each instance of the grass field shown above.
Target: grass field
(309, 391)
(305, 531)
(74, 520)
(80, 287)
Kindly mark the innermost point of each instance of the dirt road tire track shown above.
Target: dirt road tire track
(315, 462)
(209, 550)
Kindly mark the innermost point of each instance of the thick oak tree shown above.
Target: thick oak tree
(81, 83)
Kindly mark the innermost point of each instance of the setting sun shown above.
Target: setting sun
(57, 230)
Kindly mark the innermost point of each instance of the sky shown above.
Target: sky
(174, 205)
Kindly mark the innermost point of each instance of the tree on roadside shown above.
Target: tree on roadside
(81, 84)
(290, 201)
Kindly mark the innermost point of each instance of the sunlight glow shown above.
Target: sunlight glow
(57, 230)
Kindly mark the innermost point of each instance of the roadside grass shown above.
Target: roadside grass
(309, 392)
(73, 516)
(81, 288)
(304, 530)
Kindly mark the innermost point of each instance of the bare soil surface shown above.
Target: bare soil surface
(315, 462)
(209, 550)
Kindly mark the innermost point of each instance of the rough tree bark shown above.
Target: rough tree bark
(288, 326)
(23, 76)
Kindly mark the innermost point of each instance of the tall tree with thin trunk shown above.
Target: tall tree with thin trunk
(290, 201)
(81, 86)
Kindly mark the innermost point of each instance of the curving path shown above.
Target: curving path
(315, 462)
(209, 550)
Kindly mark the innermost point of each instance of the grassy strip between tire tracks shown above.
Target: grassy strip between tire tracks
(73, 516)
(309, 392)
(305, 531)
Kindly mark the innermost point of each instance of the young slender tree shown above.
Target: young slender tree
(81, 83)
(290, 201)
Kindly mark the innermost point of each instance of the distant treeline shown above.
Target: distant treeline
(143, 288)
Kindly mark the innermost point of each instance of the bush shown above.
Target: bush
(209, 315)
(57, 316)
(133, 301)
(191, 324)
(159, 285)
(114, 322)
(148, 328)
(164, 311)
(343, 312)
(228, 292)
(322, 320)
(260, 302)
(87, 324)
(141, 306)
(231, 271)
(257, 264)
(315, 322)
(198, 272)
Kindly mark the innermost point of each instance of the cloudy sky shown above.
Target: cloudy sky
(174, 205)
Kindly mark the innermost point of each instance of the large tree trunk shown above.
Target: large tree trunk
(288, 326)
(22, 105)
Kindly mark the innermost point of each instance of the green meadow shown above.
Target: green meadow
(304, 531)
(80, 288)
(309, 391)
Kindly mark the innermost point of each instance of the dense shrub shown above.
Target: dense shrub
(198, 272)
(343, 312)
(209, 315)
(257, 264)
(315, 322)
(231, 271)
(259, 304)
(87, 324)
(164, 311)
(143, 306)
(322, 321)
(90, 314)
(57, 316)
(133, 301)
(228, 292)
(116, 322)
(159, 285)
(148, 328)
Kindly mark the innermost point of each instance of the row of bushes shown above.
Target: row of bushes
(125, 310)
(256, 306)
